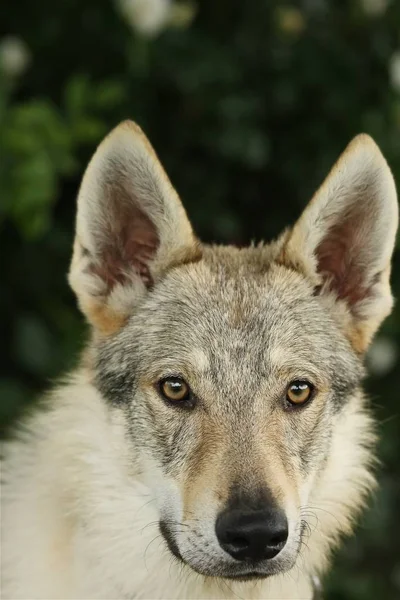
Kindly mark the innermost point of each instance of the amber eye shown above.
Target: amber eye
(175, 389)
(299, 392)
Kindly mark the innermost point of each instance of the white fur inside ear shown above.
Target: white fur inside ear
(130, 227)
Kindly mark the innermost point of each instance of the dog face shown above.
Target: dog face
(235, 372)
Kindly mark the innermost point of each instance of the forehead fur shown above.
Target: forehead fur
(236, 312)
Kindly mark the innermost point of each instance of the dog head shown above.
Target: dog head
(237, 371)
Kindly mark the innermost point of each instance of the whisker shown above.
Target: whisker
(147, 547)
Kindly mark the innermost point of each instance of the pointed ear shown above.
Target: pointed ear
(344, 240)
(130, 229)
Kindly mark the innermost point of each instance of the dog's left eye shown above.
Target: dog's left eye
(175, 390)
(299, 392)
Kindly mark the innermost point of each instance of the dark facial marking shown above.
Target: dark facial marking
(116, 384)
(344, 386)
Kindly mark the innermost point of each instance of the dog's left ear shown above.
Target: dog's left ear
(131, 228)
(344, 240)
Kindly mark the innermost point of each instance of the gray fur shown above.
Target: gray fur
(111, 460)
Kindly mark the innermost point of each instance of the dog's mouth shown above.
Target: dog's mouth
(171, 543)
(236, 573)
(252, 576)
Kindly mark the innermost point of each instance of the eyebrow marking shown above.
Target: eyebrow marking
(199, 359)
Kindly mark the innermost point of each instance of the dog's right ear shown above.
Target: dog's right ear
(130, 229)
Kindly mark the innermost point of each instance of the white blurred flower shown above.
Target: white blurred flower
(394, 70)
(149, 17)
(290, 20)
(382, 356)
(14, 56)
(374, 7)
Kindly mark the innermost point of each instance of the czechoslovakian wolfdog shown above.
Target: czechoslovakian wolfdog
(214, 441)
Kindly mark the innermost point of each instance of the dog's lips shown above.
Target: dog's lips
(233, 572)
(251, 576)
(169, 538)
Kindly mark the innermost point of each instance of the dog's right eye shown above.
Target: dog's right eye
(175, 390)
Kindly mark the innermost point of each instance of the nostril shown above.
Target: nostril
(238, 542)
(279, 538)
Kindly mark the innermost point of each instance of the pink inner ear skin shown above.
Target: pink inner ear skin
(342, 260)
(130, 243)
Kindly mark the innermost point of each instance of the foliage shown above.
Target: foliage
(247, 106)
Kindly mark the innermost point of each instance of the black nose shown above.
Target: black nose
(252, 535)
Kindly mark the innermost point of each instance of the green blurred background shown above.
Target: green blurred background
(248, 103)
